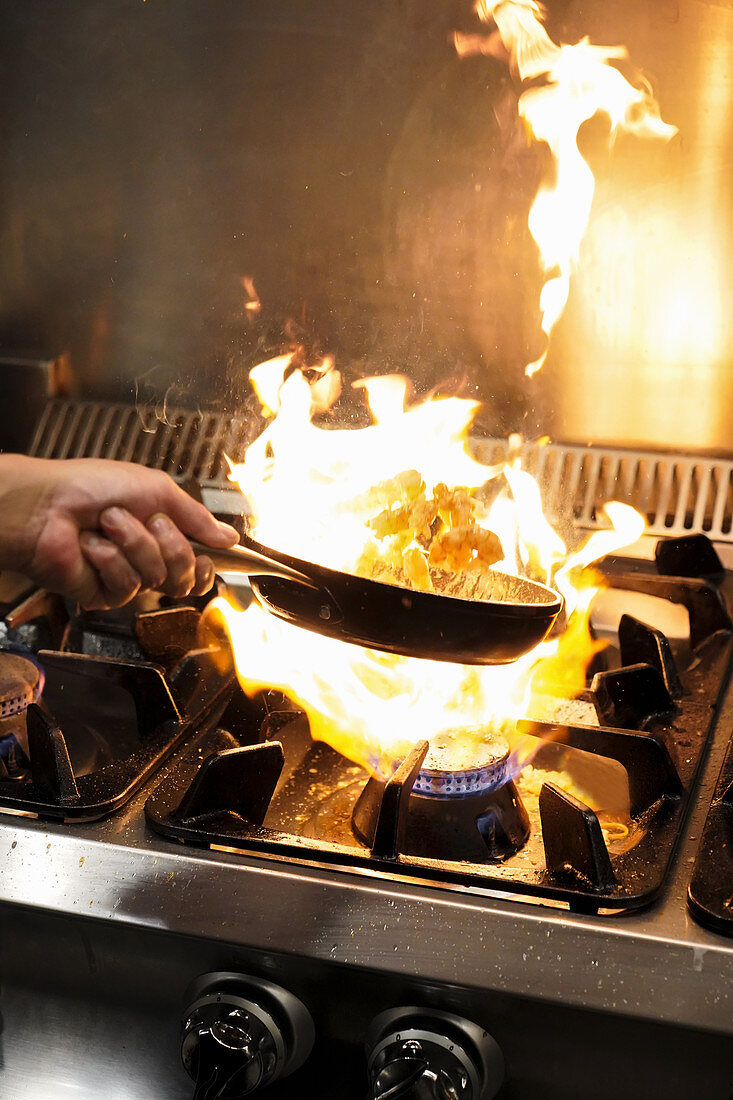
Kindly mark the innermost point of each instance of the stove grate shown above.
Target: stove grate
(710, 895)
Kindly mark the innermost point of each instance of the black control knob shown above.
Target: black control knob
(425, 1054)
(241, 1034)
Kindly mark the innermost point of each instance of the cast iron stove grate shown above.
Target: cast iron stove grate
(265, 787)
(92, 704)
(710, 895)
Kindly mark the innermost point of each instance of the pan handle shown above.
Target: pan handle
(250, 563)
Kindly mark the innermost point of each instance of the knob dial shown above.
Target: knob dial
(240, 1034)
(425, 1054)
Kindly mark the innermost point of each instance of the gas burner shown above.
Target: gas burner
(444, 775)
(472, 814)
(457, 808)
(20, 684)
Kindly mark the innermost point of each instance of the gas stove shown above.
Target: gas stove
(143, 794)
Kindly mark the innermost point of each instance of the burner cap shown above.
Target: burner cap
(447, 774)
(20, 684)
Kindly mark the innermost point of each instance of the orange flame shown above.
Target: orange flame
(312, 491)
(252, 303)
(577, 82)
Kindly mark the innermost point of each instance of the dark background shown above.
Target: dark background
(152, 153)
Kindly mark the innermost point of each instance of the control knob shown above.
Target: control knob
(241, 1034)
(425, 1054)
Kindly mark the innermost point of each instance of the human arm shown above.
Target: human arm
(99, 531)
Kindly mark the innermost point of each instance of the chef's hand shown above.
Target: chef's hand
(99, 531)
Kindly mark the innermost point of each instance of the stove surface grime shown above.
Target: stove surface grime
(260, 784)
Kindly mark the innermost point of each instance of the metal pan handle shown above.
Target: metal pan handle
(250, 563)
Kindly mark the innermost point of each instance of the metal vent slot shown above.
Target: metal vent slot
(724, 503)
(677, 495)
(584, 510)
(184, 444)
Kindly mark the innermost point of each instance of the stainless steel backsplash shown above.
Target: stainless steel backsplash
(151, 155)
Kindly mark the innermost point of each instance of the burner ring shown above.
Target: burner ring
(439, 776)
(20, 684)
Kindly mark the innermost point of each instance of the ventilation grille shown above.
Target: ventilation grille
(677, 495)
(184, 444)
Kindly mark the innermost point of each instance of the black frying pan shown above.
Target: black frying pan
(496, 630)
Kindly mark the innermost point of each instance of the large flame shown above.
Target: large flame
(308, 488)
(570, 84)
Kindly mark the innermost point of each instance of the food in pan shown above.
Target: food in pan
(435, 541)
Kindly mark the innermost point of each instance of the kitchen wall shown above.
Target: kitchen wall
(376, 187)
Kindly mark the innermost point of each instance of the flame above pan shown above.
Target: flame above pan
(314, 491)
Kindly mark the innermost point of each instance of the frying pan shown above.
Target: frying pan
(515, 615)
